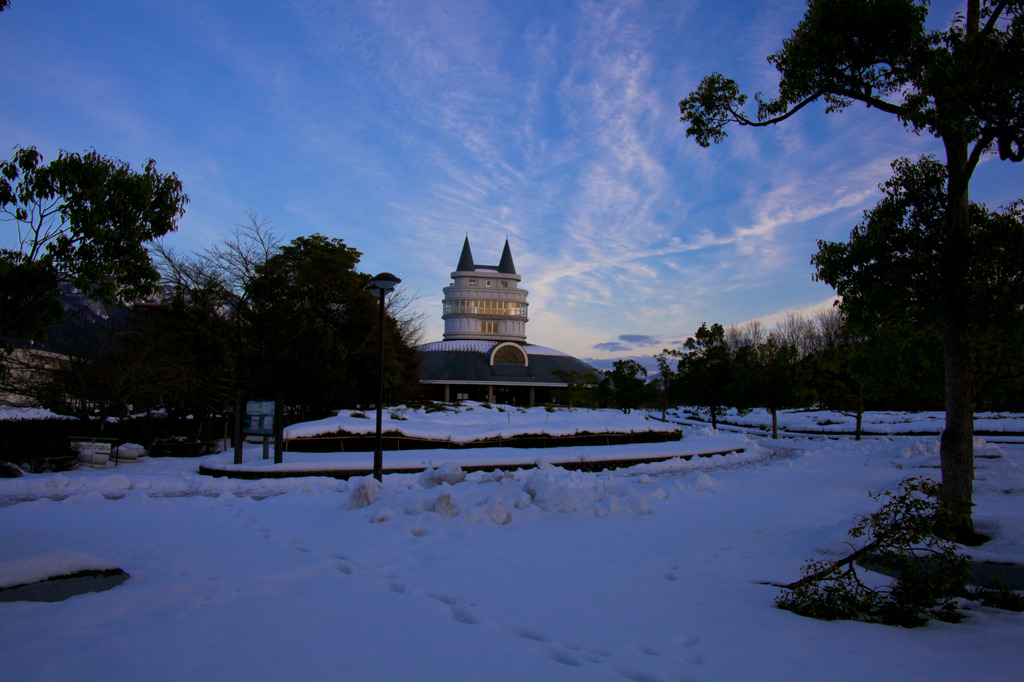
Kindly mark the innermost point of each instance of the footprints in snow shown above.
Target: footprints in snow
(563, 653)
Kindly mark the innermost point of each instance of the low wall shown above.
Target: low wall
(393, 441)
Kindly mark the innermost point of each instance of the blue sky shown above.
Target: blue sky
(403, 126)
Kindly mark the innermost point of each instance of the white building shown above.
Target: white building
(484, 355)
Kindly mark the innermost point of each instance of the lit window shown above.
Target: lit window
(504, 284)
(472, 281)
(488, 282)
(485, 307)
(489, 327)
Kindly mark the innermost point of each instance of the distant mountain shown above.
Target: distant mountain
(85, 322)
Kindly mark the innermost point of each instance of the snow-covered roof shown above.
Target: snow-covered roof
(469, 361)
(480, 346)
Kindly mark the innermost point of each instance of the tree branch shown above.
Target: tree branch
(997, 10)
(877, 103)
(760, 123)
(833, 567)
(984, 142)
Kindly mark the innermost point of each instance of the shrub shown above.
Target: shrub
(907, 539)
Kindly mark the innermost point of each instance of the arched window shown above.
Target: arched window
(510, 353)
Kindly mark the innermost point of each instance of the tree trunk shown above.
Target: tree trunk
(957, 449)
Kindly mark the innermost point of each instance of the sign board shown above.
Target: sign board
(259, 417)
(93, 447)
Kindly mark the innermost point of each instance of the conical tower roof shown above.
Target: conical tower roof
(466, 259)
(506, 266)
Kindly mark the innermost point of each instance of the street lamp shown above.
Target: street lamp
(380, 286)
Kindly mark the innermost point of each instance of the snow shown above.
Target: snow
(879, 422)
(508, 457)
(650, 573)
(475, 421)
(10, 412)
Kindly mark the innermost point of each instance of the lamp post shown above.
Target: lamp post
(380, 286)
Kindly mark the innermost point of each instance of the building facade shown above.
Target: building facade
(484, 355)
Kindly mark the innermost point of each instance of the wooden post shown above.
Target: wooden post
(239, 409)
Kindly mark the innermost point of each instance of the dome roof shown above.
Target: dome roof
(473, 361)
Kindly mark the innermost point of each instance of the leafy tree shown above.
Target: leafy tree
(579, 387)
(895, 365)
(28, 300)
(194, 353)
(666, 386)
(894, 295)
(705, 371)
(962, 85)
(838, 388)
(769, 375)
(82, 219)
(626, 384)
(311, 330)
(999, 373)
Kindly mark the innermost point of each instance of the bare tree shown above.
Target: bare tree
(748, 334)
(410, 319)
(181, 272)
(797, 331)
(830, 329)
(238, 255)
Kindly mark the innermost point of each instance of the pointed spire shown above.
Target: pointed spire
(506, 266)
(466, 259)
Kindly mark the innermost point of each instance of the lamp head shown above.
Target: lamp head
(384, 282)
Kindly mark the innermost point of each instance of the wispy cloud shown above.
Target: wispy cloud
(404, 126)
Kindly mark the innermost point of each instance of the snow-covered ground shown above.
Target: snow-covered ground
(477, 421)
(648, 573)
(876, 422)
